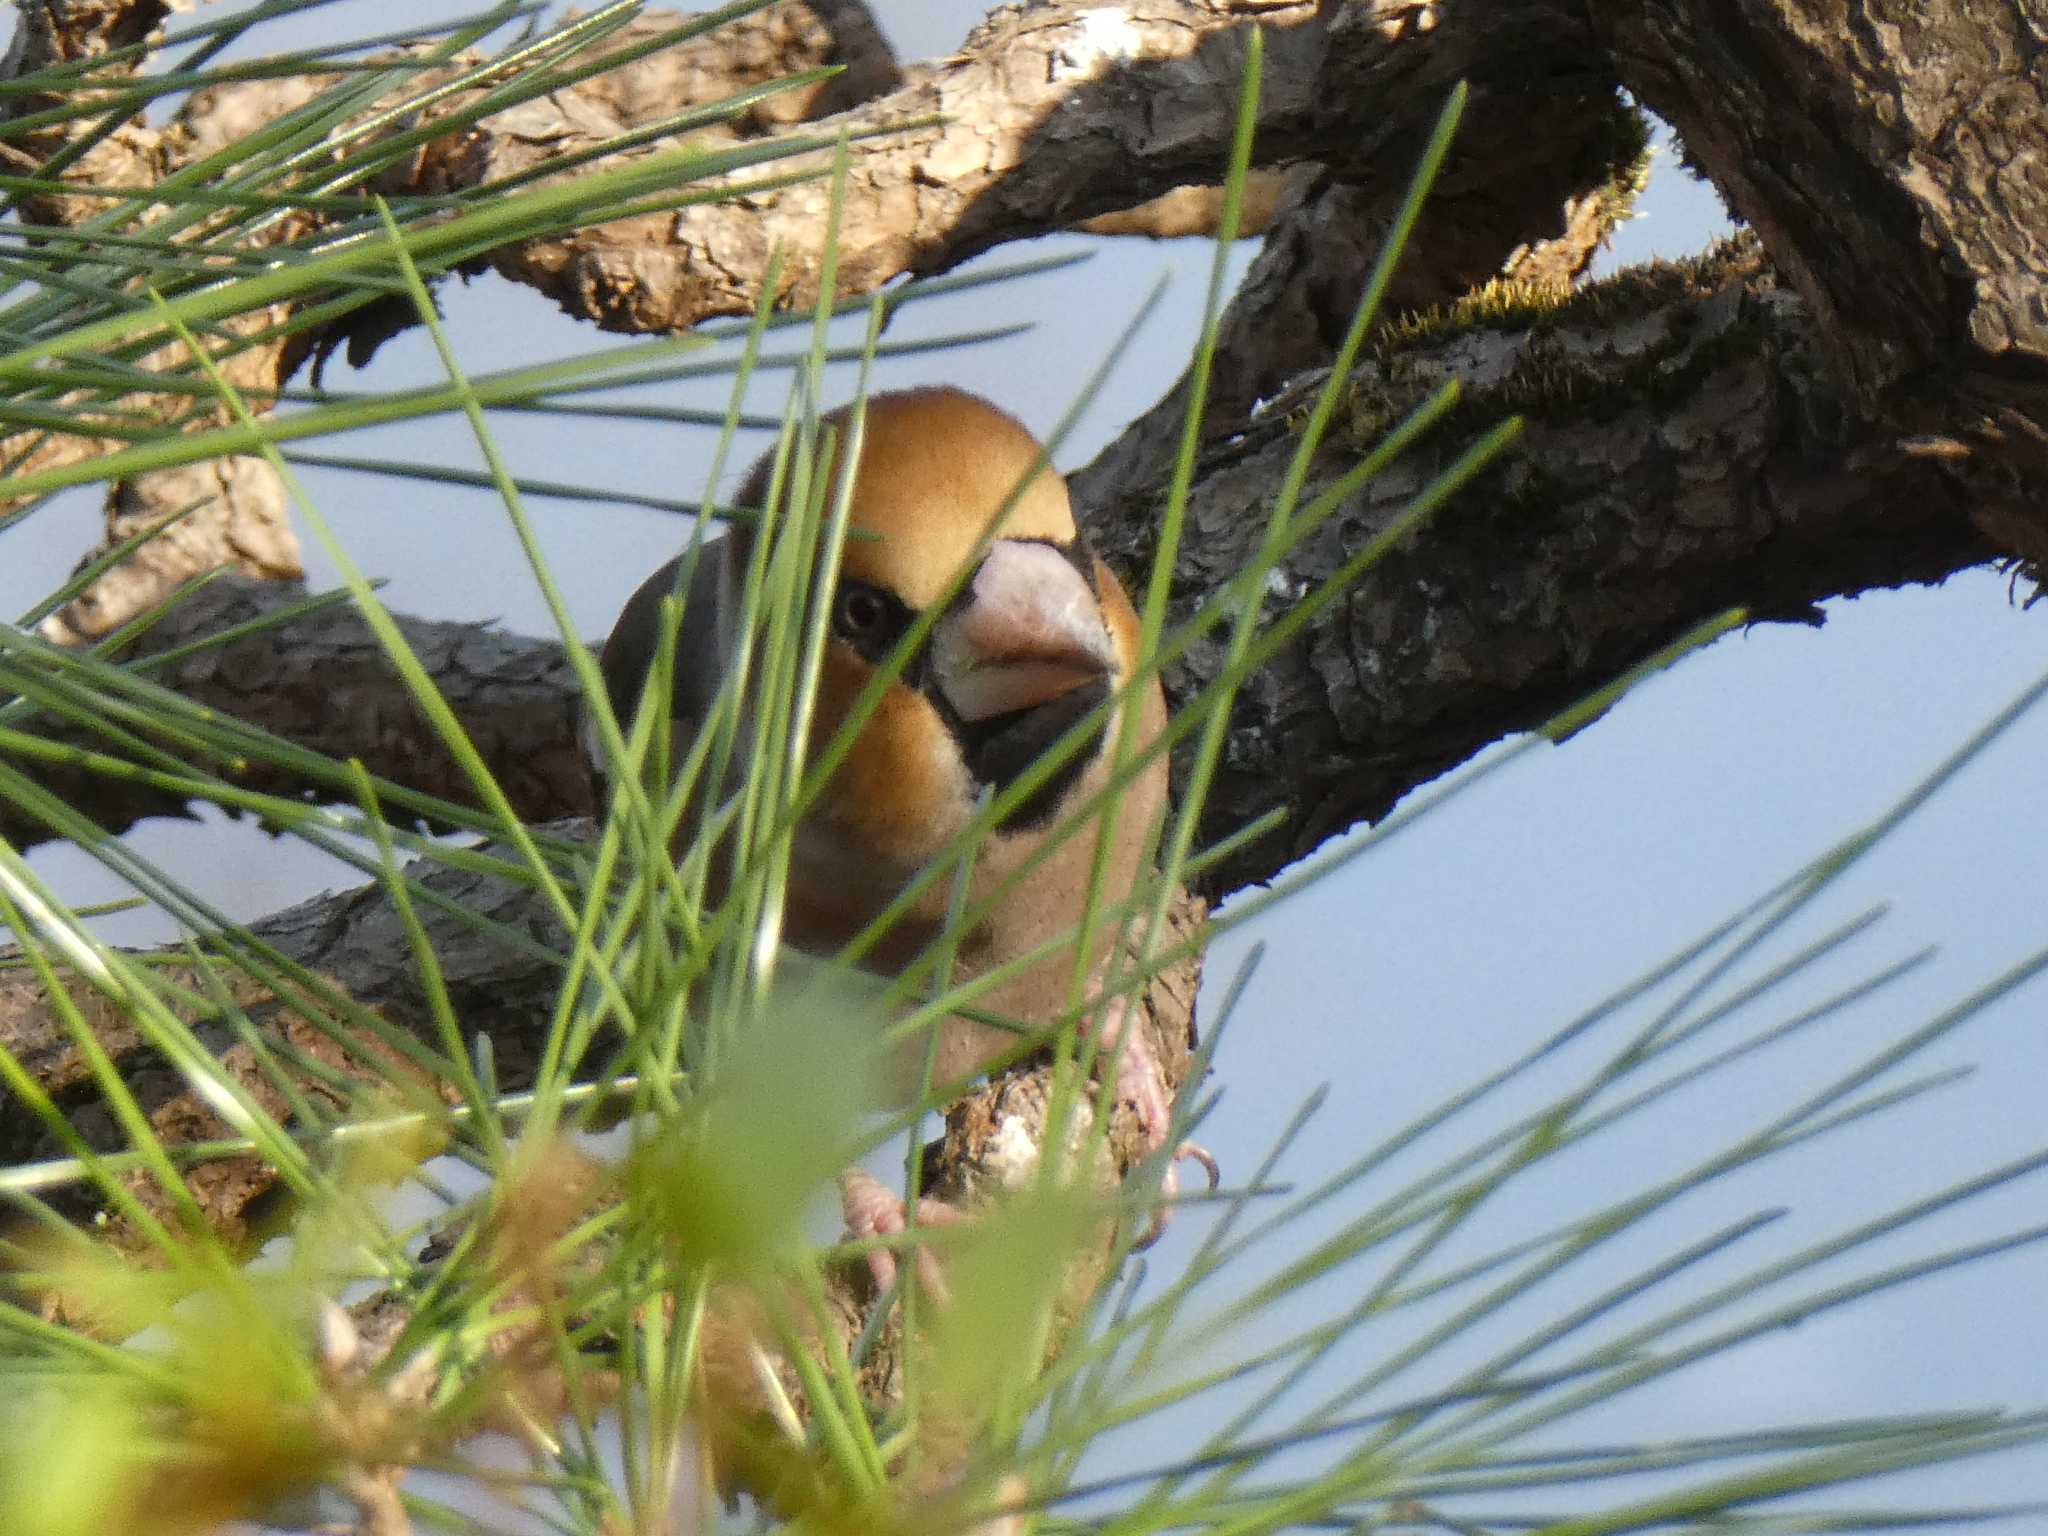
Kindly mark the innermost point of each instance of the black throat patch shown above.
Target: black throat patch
(1000, 748)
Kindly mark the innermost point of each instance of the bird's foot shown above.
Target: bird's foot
(872, 1209)
(1141, 1083)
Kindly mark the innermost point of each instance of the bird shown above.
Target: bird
(1037, 636)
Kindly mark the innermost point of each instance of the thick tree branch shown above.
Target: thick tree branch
(1047, 116)
(1055, 114)
(323, 682)
(1889, 157)
(1687, 450)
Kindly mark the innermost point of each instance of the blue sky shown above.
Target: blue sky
(1439, 954)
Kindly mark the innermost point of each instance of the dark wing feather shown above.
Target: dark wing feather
(704, 640)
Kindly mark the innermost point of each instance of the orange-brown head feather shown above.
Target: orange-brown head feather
(936, 466)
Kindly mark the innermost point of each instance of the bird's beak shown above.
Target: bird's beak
(1028, 630)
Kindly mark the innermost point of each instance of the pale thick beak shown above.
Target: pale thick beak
(1029, 631)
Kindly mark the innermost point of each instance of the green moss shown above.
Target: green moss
(1507, 305)
(1499, 304)
(1377, 398)
(1547, 378)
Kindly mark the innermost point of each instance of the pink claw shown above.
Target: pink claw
(1141, 1083)
(871, 1209)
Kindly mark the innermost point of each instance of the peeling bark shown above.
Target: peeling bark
(225, 513)
(1187, 211)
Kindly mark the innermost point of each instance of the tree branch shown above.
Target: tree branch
(323, 682)
(1687, 450)
(1057, 114)
(1044, 118)
(1888, 158)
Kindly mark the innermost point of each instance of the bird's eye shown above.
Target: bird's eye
(862, 613)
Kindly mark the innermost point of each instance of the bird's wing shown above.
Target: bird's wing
(706, 639)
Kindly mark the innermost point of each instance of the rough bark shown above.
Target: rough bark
(1890, 156)
(1687, 450)
(323, 682)
(1046, 117)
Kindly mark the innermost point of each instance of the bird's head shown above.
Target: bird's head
(1024, 645)
(1029, 641)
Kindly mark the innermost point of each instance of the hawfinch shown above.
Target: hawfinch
(1034, 639)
